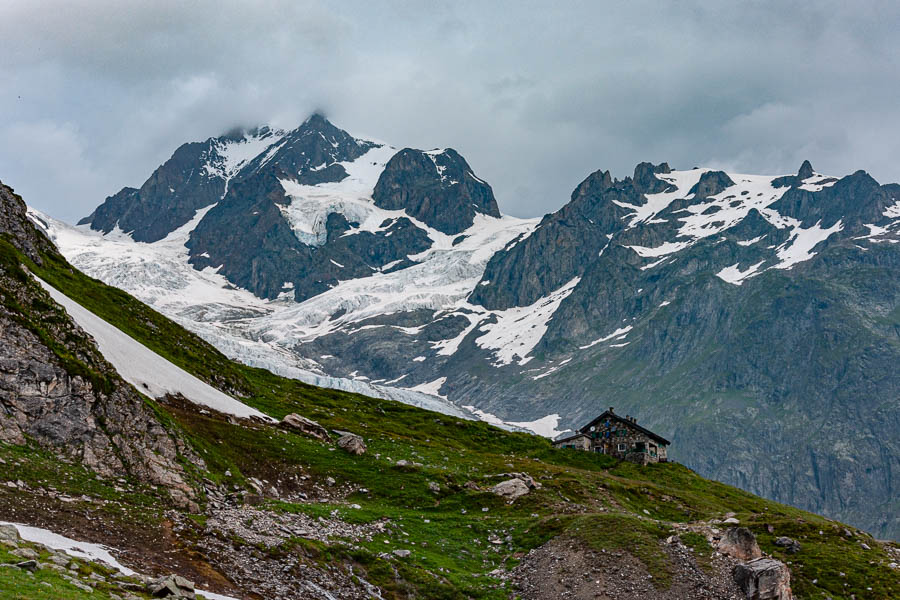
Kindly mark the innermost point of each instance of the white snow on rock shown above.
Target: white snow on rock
(85, 551)
(656, 203)
(734, 275)
(147, 371)
(662, 250)
(799, 247)
(310, 205)
(752, 241)
(893, 211)
(432, 387)
(517, 330)
(236, 322)
(230, 156)
(545, 426)
(618, 334)
(817, 182)
(729, 207)
(724, 210)
(552, 369)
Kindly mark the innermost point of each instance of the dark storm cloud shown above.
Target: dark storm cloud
(535, 96)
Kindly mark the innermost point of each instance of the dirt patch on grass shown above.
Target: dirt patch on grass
(147, 546)
(567, 568)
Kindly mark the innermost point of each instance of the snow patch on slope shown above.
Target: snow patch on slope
(310, 205)
(432, 387)
(804, 240)
(817, 182)
(518, 330)
(545, 426)
(85, 551)
(724, 210)
(734, 275)
(230, 156)
(619, 334)
(149, 372)
(656, 203)
(893, 211)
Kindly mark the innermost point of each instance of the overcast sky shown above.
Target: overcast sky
(535, 96)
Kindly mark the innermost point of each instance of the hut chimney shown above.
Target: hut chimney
(610, 409)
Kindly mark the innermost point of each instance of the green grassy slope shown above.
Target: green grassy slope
(609, 504)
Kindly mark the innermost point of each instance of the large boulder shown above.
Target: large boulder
(740, 543)
(764, 579)
(352, 443)
(173, 586)
(9, 535)
(511, 489)
(305, 426)
(523, 477)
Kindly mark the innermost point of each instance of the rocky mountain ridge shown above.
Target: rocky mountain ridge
(686, 295)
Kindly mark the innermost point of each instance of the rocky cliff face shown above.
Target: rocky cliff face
(58, 391)
(436, 187)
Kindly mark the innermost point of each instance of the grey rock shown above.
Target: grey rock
(28, 565)
(790, 545)
(82, 586)
(764, 579)
(437, 188)
(740, 543)
(305, 426)
(9, 535)
(352, 443)
(510, 489)
(28, 553)
(172, 586)
(401, 553)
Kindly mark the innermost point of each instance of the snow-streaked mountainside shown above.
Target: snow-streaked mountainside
(731, 312)
(146, 370)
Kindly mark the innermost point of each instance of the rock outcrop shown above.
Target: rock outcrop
(173, 586)
(58, 390)
(435, 187)
(517, 486)
(764, 579)
(740, 543)
(352, 443)
(305, 426)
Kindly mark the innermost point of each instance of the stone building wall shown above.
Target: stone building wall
(620, 439)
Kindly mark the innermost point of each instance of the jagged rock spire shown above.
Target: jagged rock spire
(805, 171)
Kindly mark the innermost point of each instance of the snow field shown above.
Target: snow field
(147, 371)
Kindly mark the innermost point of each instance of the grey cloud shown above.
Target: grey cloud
(535, 96)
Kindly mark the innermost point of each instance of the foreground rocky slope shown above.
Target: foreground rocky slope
(356, 497)
(58, 391)
(751, 319)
